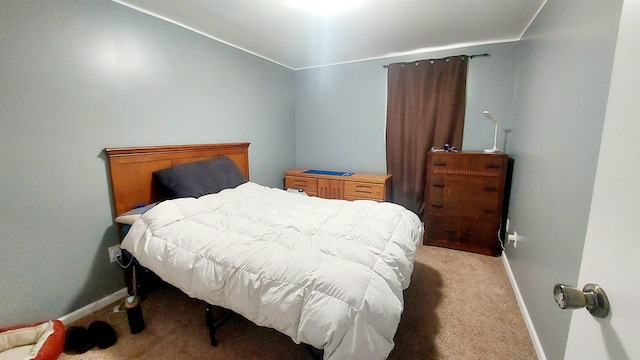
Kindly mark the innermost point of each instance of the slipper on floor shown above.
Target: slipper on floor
(102, 334)
(81, 340)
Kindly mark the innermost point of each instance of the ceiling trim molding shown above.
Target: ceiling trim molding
(533, 19)
(161, 17)
(415, 52)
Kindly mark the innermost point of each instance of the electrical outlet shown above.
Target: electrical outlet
(114, 251)
(514, 238)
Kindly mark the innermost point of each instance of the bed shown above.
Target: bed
(327, 273)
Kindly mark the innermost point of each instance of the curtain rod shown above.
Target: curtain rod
(469, 56)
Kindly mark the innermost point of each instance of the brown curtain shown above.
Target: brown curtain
(425, 108)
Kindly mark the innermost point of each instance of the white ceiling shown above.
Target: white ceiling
(288, 35)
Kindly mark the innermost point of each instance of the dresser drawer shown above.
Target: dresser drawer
(477, 197)
(363, 190)
(308, 185)
(464, 232)
(471, 165)
(441, 228)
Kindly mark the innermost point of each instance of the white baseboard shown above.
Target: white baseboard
(523, 309)
(93, 307)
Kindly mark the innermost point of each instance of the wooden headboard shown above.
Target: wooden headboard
(131, 168)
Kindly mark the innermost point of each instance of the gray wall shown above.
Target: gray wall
(341, 109)
(563, 73)
(79, 76)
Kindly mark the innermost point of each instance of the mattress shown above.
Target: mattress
(328, 273)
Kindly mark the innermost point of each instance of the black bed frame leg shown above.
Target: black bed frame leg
(208, 316)
(215, 323)
(316, 354)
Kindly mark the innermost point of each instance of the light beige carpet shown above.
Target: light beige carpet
(459, 306)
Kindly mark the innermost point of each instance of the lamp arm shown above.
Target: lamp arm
(495, 136)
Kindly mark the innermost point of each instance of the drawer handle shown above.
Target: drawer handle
(468, 232)
(449, 231)
(438, 185)
(363, 189)
(439, 163)
(437, 205)
(493, 166)
(491, 188)
(488, 211)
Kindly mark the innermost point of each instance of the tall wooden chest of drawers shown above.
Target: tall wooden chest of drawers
(358, 186)
(464, 197)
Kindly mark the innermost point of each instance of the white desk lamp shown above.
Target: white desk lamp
(495, 134)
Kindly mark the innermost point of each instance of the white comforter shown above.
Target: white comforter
(328, 273)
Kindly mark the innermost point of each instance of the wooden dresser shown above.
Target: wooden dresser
(358, 186)
(464, 198)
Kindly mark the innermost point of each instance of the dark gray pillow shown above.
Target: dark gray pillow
(199, 178)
